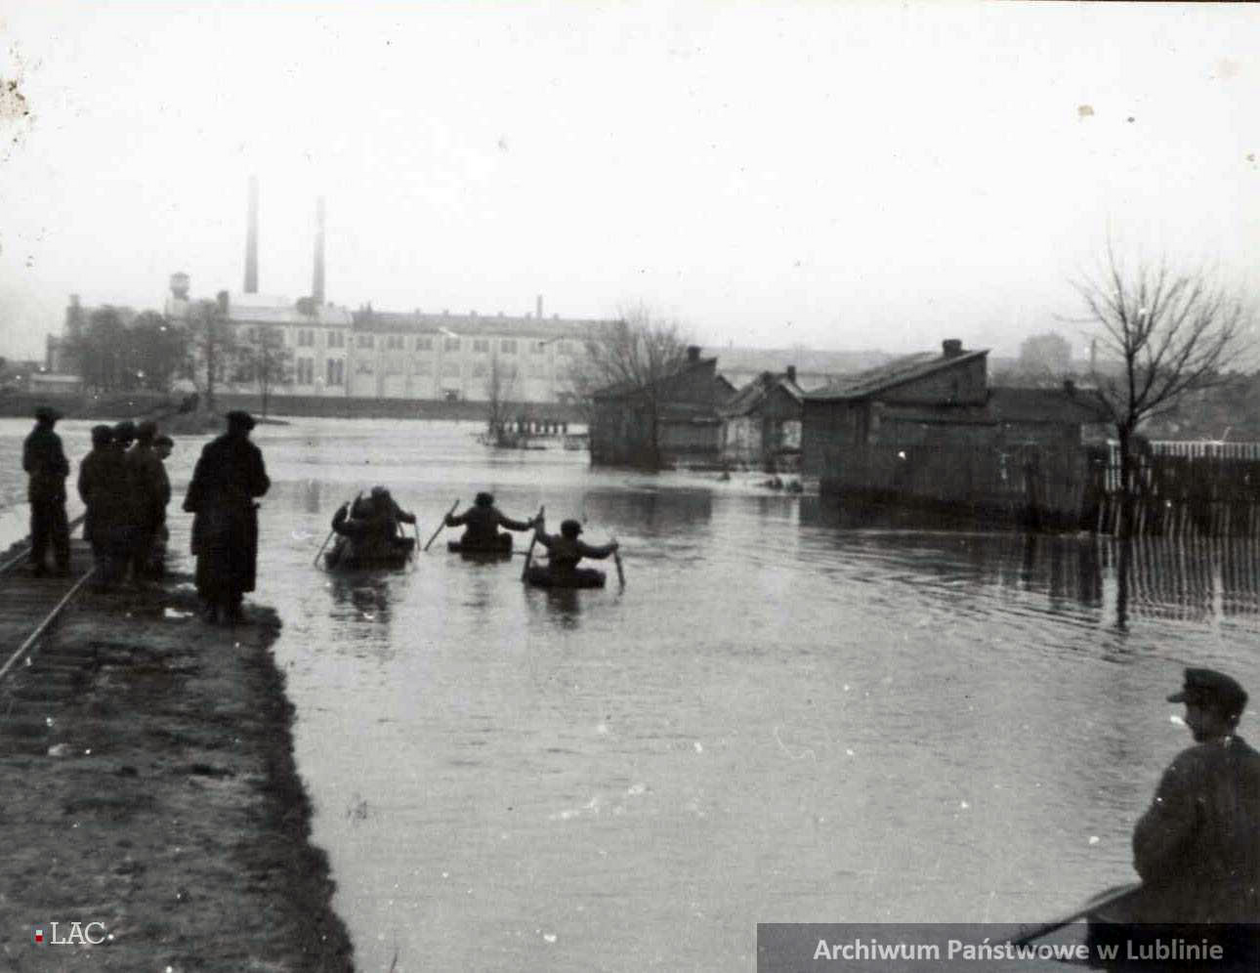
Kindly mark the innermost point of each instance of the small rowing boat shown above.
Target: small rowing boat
(503, 548)
(338, 560)
(544, 577)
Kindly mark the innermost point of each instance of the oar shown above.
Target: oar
(529, 554)
(322, 546)
(621, 575)
(330, 533)
(1107, 899)
(441, 524)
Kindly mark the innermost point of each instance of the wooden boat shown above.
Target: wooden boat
(541, 577)
(334, 560)
(501, 549)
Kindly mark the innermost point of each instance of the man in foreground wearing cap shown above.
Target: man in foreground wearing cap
(45, 462)
(1198, 846)
(228, 476)
(564, 552)
(481, 526)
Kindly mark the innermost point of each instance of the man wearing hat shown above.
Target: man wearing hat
(481, 525)
(47, 468)
(564, 552)
(1198, 846)
(228, 476)
(152, 490)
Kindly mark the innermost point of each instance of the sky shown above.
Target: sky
(838, 175)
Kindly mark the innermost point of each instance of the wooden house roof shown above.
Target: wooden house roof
(747, 399)
(899, 371)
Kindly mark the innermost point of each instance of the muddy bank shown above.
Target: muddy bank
(149, 787)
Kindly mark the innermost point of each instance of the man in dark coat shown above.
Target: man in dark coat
(228, 476)
(104, 486)
(1198, 846)
(151, 490)
(481, 525)
(45, 463)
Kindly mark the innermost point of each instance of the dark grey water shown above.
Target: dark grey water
(785, 716)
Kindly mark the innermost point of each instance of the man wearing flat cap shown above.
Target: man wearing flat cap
(227, 478)
(1198, 846)
(45, 464)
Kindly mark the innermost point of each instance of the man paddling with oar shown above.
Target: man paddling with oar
(1197, 848)
(565, 550)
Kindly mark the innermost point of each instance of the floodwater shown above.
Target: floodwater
(790, 713)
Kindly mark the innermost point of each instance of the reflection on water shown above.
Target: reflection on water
(787, 714)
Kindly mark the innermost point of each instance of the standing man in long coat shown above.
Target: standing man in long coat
(45, 462)
(227, 478)
(104, 487)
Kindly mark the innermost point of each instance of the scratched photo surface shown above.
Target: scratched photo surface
(793, 710)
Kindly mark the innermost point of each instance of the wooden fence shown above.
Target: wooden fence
(1182, 489)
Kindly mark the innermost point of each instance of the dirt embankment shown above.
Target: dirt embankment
(149, 787)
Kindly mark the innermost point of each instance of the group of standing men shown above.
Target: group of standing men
(124, 485)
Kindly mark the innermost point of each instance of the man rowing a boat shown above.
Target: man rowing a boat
(368, 532)
(565, 550)
(481, 526)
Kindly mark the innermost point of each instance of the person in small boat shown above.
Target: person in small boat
(564, 551)
(1197, 847)
(368, 531)
(481, 524)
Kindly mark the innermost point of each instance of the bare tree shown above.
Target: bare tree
(500, 387)
(212, 347)
(1167, 334)
(630, 357)
(265, 360)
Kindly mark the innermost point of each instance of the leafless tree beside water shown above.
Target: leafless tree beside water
(1162, 335)
(265, 360)
(213, 352)
(500, 387)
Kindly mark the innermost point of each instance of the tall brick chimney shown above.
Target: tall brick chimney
(251, 239)
(317, 282)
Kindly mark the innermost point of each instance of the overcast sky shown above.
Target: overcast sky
(838, 175)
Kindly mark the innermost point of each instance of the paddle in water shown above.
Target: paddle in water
(621, 575)
(530, 553)
(441, 524)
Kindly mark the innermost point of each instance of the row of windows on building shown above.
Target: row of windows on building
(398, 342)
(335, 371)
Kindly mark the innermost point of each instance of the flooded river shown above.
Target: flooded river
(790, 713)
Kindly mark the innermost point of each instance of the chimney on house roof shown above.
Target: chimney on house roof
(1069, 386)
(951, 347)
(791, 373)
(693, 353)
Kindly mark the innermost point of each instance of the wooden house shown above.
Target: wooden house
(761, 423)
(927, 430)
(672, 423)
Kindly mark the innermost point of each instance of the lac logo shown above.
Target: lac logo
(71, 934)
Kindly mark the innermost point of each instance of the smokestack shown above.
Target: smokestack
(538, 307)
(251, 239)
(317, 285)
